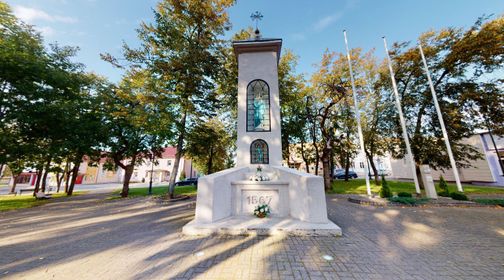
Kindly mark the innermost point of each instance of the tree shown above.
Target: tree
(137, 121)
(180, 49)
(208, 145)
(292, 96)
(44, 101)
(461, 63)
(328, 90)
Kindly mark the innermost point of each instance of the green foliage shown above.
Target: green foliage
(404, 194)
(385, 190)
(12, 202)
(489, 201)
(409, 200)
(182, 175)
(157, 191)
(138, 123)
(458, 196)
(209, 146)
(442, 184)
(180, 50)
(358, 186)
(463, 64)
(61, 122)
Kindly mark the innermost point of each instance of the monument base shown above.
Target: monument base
(251, 225)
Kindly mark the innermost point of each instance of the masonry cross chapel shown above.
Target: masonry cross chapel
(226, 200)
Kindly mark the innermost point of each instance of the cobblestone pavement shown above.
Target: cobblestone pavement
(89, 238)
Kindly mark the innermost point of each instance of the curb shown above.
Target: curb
(427, 205)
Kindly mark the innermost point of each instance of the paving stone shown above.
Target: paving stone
(90, 238)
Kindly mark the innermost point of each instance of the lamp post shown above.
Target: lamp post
(151, 173)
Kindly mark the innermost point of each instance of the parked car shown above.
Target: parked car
(340, 174)
(187, 182)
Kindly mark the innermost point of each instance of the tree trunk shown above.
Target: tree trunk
(209, 163)
(325, 166)
(305, 159)
(317, 160)
(1, 169)
(68, 171)
(59, 180)
(331, 161)
(127, 176)
(419, 176)
(347, 165)
(178, 155)
(75, 173)
(37, 184)
(373, 166)
(14, 183)
(44, 177)
(314, 143)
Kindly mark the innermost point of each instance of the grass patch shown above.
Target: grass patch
(12, 202)
(358, 186)
(490, 201)
(158, 190)
(409, 200)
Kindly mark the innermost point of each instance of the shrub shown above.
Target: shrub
(490, 201)
(385, 190)
(443, 186)
(182, 175)
(404, 194)
(409, 200)
(458, 196)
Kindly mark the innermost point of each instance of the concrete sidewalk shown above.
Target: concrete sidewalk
(87, 237)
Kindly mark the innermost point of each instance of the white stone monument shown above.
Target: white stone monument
(226, 200)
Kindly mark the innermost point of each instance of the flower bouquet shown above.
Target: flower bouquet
(259, 176)
(262, 211)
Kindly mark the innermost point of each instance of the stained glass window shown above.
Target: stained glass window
(259, 153)
(258, 106)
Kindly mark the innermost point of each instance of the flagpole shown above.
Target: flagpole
(441, 121)
(401, 118)
(357, 114)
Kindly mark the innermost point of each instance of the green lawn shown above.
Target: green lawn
(11, 202)
(159, 190)
(358, 186)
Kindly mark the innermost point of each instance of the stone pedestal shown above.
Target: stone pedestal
(226, 201)
(430, 187)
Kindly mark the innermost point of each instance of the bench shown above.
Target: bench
(41, 195)
(20, 191)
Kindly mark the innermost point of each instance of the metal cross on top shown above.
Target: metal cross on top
(257, 16)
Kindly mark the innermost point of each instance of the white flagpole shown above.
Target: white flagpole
(441, 121)
(401, 117)
(357, 114)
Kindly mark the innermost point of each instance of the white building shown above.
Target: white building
(486, 171)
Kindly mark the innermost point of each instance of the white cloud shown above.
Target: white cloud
(30, 15)
(324, 22)
(46, 31)
(298, 36)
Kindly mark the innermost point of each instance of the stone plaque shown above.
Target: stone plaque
(250, 199)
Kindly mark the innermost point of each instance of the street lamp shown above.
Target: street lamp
(151, 173)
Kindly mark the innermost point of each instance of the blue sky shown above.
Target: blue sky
(307, 27)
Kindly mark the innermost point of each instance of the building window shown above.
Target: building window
(259, 152)
(169, 162)
(258, 106)
(361, 164)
